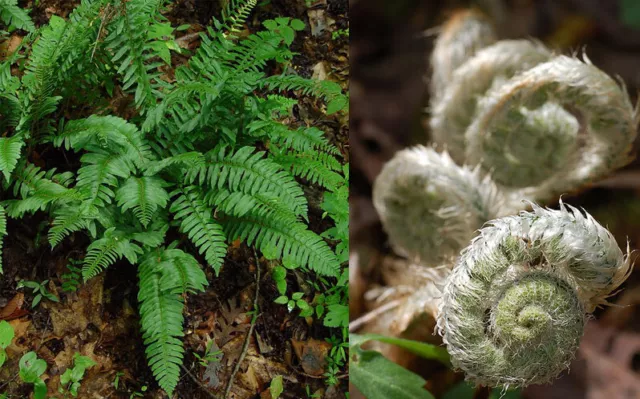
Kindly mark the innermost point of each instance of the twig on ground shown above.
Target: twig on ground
(247, 340)
(197, 381)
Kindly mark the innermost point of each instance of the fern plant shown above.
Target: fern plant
(206, 153)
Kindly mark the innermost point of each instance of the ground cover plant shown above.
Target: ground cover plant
(508, 286)
(166, 158)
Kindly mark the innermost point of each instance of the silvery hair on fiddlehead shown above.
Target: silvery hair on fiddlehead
(515, 304)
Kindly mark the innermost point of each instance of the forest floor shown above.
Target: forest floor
(100, 320)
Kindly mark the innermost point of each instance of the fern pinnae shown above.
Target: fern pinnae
(106, 251)
(308, 166)
(144, 195)
(196, 221)
(250, 172)
(10, 151)
(161, 320)
(12, 15)
(290, 240)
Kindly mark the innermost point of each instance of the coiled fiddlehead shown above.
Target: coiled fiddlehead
(455, 110)
(515, 305)
(541, 125)
(431, 207)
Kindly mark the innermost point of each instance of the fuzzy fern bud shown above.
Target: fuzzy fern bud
(515, 305)
(431, 207)
(541, 125)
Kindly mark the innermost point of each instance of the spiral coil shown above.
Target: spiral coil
(515, 304)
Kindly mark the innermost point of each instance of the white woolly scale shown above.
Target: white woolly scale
(514, 307)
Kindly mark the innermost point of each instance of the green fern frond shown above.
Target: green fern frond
(107, 132)
(236, 13)
(130, 40)
(144, 195)
(289, 240)
(239, 204)
(27, 178)
(181, 270)
(307, 166)
(189, 160)
(46, 192)
(181, 104)
(106, 251)
(327, 90)
(61, 47)
(99, 173)
(10, 151)
(249, 172)
(3, 232)
(70, 219)
(164, 276)
(196, 221)
(12, 15)
(300, 139)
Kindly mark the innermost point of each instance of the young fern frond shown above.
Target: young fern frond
(515, 305)
(535, 122)
(104, 252)
(196, 221)
(144, 195)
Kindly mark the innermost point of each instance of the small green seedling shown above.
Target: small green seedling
(209, 356)
(6, 336)
(71, 378)
(39, 290)
(138, 394)
(31, 368)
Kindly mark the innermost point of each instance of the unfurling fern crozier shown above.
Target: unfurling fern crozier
(431, 207)
(540, 124)
(515, 305)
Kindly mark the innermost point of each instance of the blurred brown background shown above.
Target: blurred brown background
(390, 45)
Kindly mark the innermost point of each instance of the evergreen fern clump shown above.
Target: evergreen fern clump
(205, 153)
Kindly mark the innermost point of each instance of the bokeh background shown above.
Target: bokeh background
(391, 42)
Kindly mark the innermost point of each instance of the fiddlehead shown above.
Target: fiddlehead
(431, 207)
(540, 125)
(515, 305)
(455, 109)
(552, 129)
